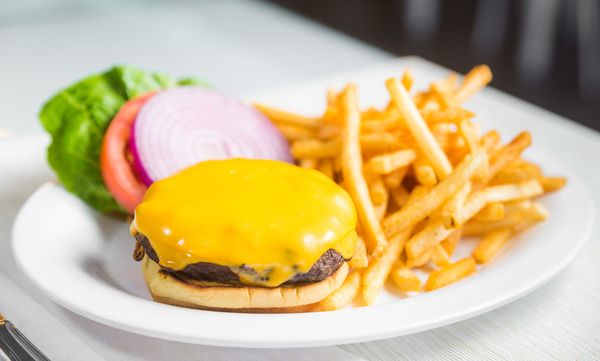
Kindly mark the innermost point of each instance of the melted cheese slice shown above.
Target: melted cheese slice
(272, 216)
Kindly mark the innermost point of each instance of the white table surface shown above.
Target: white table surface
(244, 47)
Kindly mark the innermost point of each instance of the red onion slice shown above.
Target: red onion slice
(180, 127)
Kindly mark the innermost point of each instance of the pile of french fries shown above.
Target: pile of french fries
(422, 177)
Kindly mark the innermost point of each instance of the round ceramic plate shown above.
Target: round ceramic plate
(83, 261)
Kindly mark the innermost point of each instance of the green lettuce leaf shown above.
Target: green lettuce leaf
(77, 119)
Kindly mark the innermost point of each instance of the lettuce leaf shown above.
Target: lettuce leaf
(77, 119)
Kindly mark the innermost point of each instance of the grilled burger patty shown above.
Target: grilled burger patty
(329, 262)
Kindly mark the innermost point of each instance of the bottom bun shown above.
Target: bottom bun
(168, 289)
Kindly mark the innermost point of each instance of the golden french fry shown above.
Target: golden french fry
(360, 258)
(293, 132)
(517, 217)
(451, 241)
(448, 115)
(281, 116)
(551, 184)
(419, 261)
(508, 153)
(308, 163)
(344, 295)
(394, 179)
(491, 212)
(409, 216)
(427, 238)
(515, 174)
(454, 204)
(444, 98)
(326, 167)
(379, 268)
(314, 148)
(404, 278)
(407, 80)
(380, 142)
(418, 128)
(425, 174)
(474, 81)
(353, 176)
(513, 191)
(399, 195)
(490, 141)
(501, 193)
(439, 256)
(379, 195)
(377, 189)
(450, 274)
(490, 245)
(387, 163)
(328, 131)
(469, 134)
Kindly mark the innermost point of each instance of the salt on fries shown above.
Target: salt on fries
(422, 175)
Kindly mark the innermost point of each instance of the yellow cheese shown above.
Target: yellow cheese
(272, 216)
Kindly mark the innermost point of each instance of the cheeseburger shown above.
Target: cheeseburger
(244, 235)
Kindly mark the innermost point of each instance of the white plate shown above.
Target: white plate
(82, 259)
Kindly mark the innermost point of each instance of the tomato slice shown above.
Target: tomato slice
(115, 158)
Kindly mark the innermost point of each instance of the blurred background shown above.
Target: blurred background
(544, 51)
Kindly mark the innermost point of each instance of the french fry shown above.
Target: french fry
(454, 204)
(490, 141)
(293, 132)
(352, 167)
(425, 174)
(448, 115)
(381, 142)
(439, 256)
(404, 278)
(517, 218)
(506, 154)
(474, 81)
(418, 128)
(409, 216)
(515, 174)
(490, 245)
(469, 134)
(281, 116)
(513, 191)
(501, 193)
(377, 189)
(444, 98)
(428, 178)
(451, 241)
(308, 163)
(328, 131)
(387, 163)
(407, 80)
(314, 148)
(399, 195)
(552, 184)
(394, 179)
(419, 261)
(450, 274)
(379, 268)
(359, 258)
(326, 167)
(491, 212)
(426, 239)
(344, 295)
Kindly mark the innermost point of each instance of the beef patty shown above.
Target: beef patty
(329, 262)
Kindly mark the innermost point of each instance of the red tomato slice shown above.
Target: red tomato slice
(115, 159)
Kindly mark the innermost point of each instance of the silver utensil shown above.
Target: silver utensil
(14, 346)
